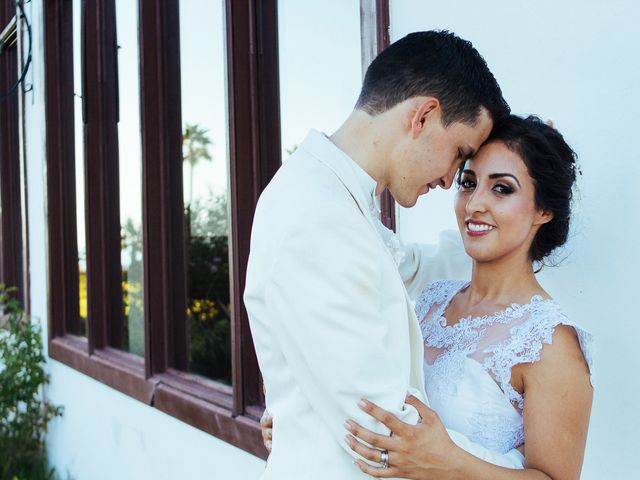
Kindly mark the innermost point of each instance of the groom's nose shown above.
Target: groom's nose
(447, 181)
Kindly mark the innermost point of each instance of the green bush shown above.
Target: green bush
(24, 412)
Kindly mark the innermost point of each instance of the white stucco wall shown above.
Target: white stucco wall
(108, 435)
(104, 434)
(575, 62)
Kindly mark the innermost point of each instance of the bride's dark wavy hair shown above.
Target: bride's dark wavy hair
(551, 163)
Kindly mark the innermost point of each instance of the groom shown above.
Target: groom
(329, 311)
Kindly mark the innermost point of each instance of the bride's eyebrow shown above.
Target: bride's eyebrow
(468, 171)
(500, 175)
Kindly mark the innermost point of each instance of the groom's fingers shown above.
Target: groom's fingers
(266, 427)
(382, 442)
(397, 427)
(266, 421)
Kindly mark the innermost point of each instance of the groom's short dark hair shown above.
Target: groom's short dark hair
(437, 64)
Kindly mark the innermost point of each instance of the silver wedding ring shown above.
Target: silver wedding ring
(384, 458)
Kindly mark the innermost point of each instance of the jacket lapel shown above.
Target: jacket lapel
(320, 147)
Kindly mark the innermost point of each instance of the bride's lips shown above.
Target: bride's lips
(478, 229)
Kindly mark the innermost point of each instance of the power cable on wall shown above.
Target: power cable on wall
(8, 38)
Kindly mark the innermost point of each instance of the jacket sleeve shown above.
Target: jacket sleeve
(423, 264)
(323, 296)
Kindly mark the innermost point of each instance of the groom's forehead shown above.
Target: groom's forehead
(472, 136)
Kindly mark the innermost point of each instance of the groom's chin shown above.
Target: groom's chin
(406, 202)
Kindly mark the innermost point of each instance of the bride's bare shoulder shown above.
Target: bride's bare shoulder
(562, 361)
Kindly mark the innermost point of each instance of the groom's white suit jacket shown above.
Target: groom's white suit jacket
(330, 314)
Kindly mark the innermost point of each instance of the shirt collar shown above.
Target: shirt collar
(367, 185)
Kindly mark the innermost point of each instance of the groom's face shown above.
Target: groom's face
(431, 157)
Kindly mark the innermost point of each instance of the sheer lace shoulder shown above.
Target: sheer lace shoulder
(436, 293)
(468, 364)
(525, 342)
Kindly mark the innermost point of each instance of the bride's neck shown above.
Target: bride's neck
(504, 282)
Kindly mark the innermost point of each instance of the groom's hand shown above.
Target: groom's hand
(424, 450)
(266, 425)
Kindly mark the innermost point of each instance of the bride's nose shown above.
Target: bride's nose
(477, 202)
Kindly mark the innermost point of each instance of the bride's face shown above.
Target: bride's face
(495, 205)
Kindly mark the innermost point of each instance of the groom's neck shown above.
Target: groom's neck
(366, 139)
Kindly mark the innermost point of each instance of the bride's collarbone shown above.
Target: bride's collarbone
(461, 306)
(459, 309)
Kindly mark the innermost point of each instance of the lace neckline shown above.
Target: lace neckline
(442, 321)
(496, 342)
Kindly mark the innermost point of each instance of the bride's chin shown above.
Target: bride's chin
(479, 255)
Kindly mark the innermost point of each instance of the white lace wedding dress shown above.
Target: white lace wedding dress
(468, 364)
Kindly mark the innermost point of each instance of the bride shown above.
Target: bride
(499, 339)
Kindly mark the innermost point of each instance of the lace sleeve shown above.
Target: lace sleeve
(525, 343)
(585, 339)
(436, 293)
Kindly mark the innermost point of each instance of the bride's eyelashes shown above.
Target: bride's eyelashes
(469, 183)
(466, 180)
(466, 184)
(503, 189)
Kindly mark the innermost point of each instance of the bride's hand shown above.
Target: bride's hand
(417, 451)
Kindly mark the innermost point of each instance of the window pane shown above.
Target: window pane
(79, 162)
(129, 144)
(205, 155)
(320, 66)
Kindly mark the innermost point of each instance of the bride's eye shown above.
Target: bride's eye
(502, 188)
(466, 184)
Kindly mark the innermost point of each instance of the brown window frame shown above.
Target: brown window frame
(375, 28)
(13, 245)
(159, 379)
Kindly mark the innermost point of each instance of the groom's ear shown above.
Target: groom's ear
(424, 110)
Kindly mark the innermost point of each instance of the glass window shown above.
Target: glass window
(196, 337)
(130, 169)
(79, 163)
(320, 66)
(206, 190)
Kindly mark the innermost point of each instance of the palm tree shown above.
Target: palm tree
(195, 147)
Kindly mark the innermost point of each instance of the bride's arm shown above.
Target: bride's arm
(556, 418)
(557, 407)
(423, 263)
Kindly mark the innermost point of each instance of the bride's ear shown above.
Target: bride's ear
(543, 216)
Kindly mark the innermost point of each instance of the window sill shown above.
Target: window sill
(198, 402)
